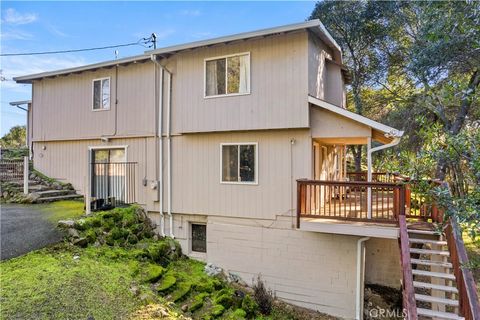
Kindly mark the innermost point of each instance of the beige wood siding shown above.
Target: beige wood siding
(67, 161)
(334, 84)
(317, 72)
(196, 174)
(63, 105)
(278, 88)
(326, 124)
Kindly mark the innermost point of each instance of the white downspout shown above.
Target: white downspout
(169, 154)
(160, 151)
(370, 150)
(360, 275)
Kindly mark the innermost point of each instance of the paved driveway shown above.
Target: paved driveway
(23, 228)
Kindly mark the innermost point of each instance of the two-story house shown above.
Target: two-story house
(210, 137)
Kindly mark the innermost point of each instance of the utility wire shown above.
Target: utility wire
(142, 42)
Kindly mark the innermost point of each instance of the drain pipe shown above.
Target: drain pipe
(160, 141)
(396, 140)
(360, 275)
(169, 153)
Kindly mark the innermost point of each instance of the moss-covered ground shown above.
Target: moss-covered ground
(124, 272)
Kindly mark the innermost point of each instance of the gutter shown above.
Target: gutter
(360, 277)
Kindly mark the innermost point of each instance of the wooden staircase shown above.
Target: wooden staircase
(436, 293)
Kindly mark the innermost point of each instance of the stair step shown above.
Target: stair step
(433, 274)
(432, 263)
(426, 241)
(439, 287)
(450, 302)
(438, 314)
(426, 251)
(57, 198)
(431, 232)
(52, 193)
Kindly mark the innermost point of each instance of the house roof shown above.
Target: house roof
(314, 26)
(380, 132)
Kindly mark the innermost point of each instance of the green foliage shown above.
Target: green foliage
(198, 301)
(15, 154)
(15, 138)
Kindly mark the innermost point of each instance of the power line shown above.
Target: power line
(142, 42)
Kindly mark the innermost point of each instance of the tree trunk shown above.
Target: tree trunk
(357, 156)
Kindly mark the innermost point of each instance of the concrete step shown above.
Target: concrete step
(444, 301)
(430, 232)
(426, 251)
(438, 314)
(432, 263)
(54, 193)
(426, 285)
(58, 198)
(426, 241)
(433, 274)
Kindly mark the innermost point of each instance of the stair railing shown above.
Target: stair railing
(467, 293)
(409, 303)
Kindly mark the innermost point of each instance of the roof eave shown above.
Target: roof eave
(30, 78)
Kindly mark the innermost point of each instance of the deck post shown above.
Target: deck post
(369, 177)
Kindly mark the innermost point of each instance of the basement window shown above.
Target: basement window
(239, 163)
(101, 94)
(199, 237)
(227, 75)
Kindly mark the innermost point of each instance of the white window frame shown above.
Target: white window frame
(256, 162)
(101, 93)
(226, 76)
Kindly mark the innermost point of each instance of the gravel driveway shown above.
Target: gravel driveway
(24, 228)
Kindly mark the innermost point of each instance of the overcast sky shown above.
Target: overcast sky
(48, 26)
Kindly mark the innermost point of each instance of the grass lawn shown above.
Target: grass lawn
(52, 284)
(62, 210)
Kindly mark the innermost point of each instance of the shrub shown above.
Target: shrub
(249, 305)
(263, 297)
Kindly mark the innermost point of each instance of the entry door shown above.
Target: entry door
(108, 174)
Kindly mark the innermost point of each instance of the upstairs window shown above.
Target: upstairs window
(239, 163)
(101, 94)
(229, 75)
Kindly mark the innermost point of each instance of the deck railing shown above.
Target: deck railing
(395, 202)
(348, 200)
(376, 176)
(114, 183)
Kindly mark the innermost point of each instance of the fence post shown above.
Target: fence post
(25, 175)
(89, 185)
